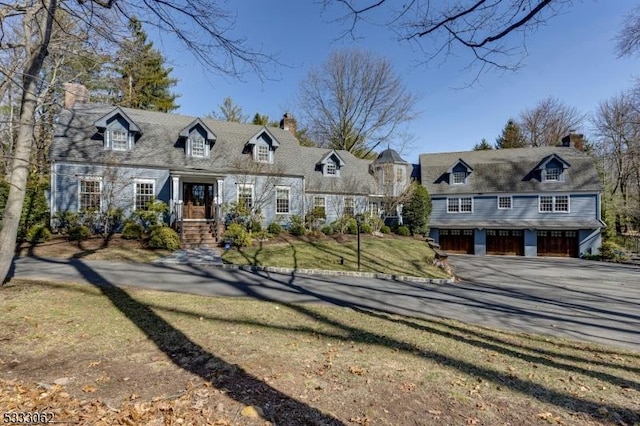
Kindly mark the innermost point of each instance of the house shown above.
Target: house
(105, 157)
(526, 201)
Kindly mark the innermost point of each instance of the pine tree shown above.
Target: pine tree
(144, 81)
(417, 210)
(511, 136)
(230, 111)
(482, 146)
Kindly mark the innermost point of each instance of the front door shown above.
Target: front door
(198, 201)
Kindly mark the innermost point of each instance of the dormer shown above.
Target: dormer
(459, 173)
(198, 139)
(552, 168)
(262, 146)
(331, 164)
(119, 130)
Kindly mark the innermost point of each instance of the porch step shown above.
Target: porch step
(198, 234)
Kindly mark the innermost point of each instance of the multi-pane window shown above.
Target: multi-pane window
(460, 205)
(145, 191)
(504, 203)
(319, 204)
(90, 194)
(118, 140)
(399, 175)
(332, 169)
(459, 177)
(197, 146)
(552, 173)
(245, 196)
(553, 203)
(374, 209)
(262, 153)
(349, 206)
(282, 200)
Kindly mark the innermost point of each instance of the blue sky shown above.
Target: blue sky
(572, 58)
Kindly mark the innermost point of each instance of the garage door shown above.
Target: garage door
(558, 243)
(457, 240)
(505, 242)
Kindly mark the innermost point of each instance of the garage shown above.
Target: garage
(457, 240)
(558, 243)
(505, 242)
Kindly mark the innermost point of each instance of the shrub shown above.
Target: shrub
(365, 228)
(385, 229)
(164, 238)
(352, 226)
(65, 220)
(238, 235)
(612, 251)
(403, 230)
(132, 231)
(327, 230)
(153, 215)
(255, 226)
(38, 233)
(417, 211)
(296, 226)
(274, 228)
(78, 233)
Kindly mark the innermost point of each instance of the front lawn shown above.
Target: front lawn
(388, 255)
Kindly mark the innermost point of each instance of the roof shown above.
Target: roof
(542, 223)
(509, 171)
(161, 145)
(389, 156)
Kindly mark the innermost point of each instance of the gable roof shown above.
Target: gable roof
(102, 122)
(543, 163)
(272, 139)
(509, 171)
(461, 162)
(184, 133)
(330, 154)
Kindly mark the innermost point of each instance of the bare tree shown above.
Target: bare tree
(487, 29)
(617, 127)
(549, 121)
(628, 38)
(26, 29)
(355, 101)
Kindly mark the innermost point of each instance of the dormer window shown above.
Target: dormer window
(119, 139)
(262, 153)
(552, 169)
(552, 174)
(119, 130)
(459, 177)
(332, 168)
(197, 146)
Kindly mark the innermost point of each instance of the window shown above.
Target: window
(245, 196)
(90, 194)
(460, 205)
(504, 203)
(282, 200)
(399, 175)
(374, 210)
(332, 169)
(145, 191)
(553, 204)
(197, 146)
(459, 177)
(552, 174)
(262, 153)
(319, 203)
(118, 140)
(349, 209)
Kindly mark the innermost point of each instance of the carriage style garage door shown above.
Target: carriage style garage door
(505, 241)
(457, 240)
(558, 243)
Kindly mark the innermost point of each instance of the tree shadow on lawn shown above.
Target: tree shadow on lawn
(188, 355)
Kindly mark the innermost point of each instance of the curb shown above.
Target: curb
(326, 272)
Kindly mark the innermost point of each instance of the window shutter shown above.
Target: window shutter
(206, 148)
(107, 139)
(130, 145)
(188, 146)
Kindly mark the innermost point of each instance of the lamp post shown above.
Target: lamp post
(359, 221)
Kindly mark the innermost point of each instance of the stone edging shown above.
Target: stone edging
(326, 272)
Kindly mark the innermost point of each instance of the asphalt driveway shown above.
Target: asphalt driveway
(565, 297)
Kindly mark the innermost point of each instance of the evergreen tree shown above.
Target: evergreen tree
(262, 120)
(417, 210)
(144, 80)
(511, 136)
(482, 146)
(230, 111)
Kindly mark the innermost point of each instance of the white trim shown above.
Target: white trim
(88, 178)
(553, 203)
(510, 197)
(135, 190)
(246, 185)
(459, 205)
(283, 188)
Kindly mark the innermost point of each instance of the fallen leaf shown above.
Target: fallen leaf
(89, 389)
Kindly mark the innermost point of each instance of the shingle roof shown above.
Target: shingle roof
(508, 171)
(78, 140)
(389, 156)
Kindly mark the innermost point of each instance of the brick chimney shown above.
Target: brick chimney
(288, 123)
(75, 93)
(575, 140)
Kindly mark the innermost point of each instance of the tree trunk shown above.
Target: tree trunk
(19, 172)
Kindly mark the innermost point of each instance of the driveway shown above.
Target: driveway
(564, 297)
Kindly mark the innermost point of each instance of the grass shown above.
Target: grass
(388, 255)
(149, 356)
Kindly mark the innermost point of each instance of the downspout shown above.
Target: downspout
(52, 193)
